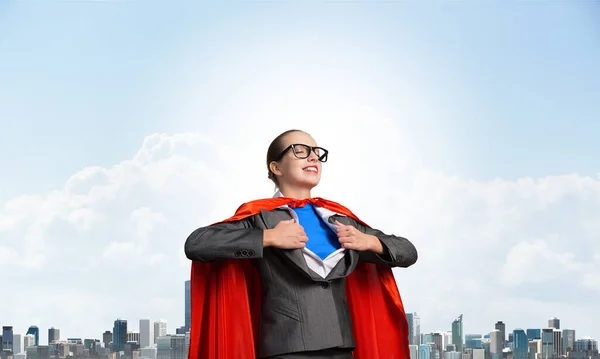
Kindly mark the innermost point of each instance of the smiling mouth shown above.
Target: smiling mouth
(312, 169)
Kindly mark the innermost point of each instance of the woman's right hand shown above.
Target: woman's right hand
(286, 234)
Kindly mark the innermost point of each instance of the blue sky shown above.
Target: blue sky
(482, 90)
(515, 84)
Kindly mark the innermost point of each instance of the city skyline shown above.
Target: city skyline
(494, 327)
(449, 344)
(469, 128)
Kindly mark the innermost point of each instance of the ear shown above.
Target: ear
(275, 168)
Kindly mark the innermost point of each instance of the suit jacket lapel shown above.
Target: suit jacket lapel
(271, 219)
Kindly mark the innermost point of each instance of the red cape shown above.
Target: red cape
(225, 303)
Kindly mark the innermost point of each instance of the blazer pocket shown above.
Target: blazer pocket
(287, 311)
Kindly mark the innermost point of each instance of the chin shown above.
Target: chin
(311, 184)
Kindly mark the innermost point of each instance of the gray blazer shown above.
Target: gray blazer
(300, 311)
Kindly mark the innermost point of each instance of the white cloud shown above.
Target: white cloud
(110, 244)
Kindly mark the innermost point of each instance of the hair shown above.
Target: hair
(274, 150)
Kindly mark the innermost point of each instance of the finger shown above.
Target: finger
(341, 229)
(349, 245)
(339, 224)
(303, 239)
(346, 239)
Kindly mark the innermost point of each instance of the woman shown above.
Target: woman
(294, 276)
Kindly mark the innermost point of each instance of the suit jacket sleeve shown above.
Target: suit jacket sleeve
(230, 240)
(398, 251)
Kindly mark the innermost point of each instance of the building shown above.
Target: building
(535, 347)
(452, 355)
(7, 338)
(457, 333)
(425, 352)
(438, 340)
(558, 342)
(414, 351)
(414, 328)
(520, 344)
(53, 335)
(35, 331)
(107, 338)
(150, 352)
(478, 354)
(28, 341)
(17, 344)
(500, 326)
(146, 333)
(188, 307)
(547, 343)
(554, 323)
(473, 341)
(171, 347)
(568, 337)
(119, 335)
(447, 340)
(133, 337)
(160, 329)
(586, 344)
(534, 334)
(496, 344)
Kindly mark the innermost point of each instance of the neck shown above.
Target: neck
(294, 192)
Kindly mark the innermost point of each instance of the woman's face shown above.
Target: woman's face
(299, 172)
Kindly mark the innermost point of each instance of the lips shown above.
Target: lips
(312, 169)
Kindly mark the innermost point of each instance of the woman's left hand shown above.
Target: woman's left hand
(352, 238)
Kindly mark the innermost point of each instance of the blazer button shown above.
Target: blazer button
(238, 253)
(325, 285)
(251, 253)
(245, 253)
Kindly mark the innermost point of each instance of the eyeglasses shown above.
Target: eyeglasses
(303, 151)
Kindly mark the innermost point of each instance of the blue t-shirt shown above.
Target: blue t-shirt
(321, 239)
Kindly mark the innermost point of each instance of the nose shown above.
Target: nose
(313, 156)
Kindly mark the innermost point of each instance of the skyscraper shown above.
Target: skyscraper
(521, 344)
(188, 308)
(28, 341)
(160, 329)
(146, 333)
(119, 335)
(107, 338)
(438, 341)
(457, 333)
(414, 351)
(473, 341)
(414, 328)
(534, 334)
(502, 328)
(35, 331)
(7, 338)
(17, 344)
(568, 340)
(558, 342)
(53, 335)
(496, 344)
(586, 344)
(554, 323)
(424, 352)
(547, 343)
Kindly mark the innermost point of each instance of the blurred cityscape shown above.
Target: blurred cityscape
(153, 341)
(547, 342)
